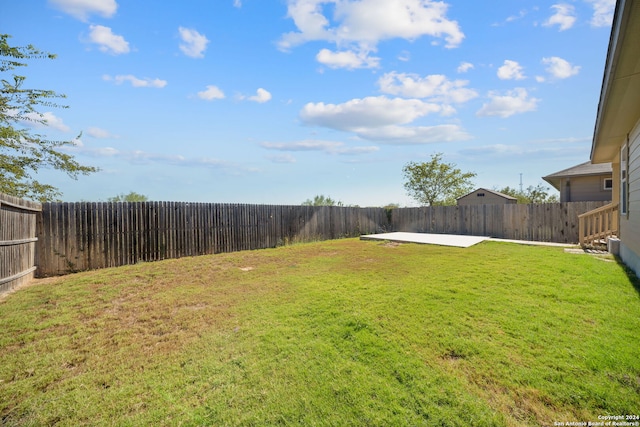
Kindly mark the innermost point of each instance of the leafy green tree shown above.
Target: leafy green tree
(435, 182)
(321, 200)
(522, 199)
(540, 194)
(131, 197)
(23, 152)
(537, 194)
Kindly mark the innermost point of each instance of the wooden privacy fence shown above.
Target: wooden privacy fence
(17, 241)
(84, 236)
(69, 237)
(550, 222)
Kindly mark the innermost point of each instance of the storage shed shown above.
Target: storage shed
(482, 196)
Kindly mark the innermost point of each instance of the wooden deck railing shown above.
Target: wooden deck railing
(597, 225)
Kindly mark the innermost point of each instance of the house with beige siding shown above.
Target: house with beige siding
(482, 196)
(616, 138)
(586, 182)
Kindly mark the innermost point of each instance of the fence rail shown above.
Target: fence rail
(17, 241)
(550, 222)
(84, 236)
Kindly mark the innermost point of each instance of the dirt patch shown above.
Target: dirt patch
(598, 254)
(390, 244)
(453, 355)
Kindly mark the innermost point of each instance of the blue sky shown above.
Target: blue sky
(276, 101)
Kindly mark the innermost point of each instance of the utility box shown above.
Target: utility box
(613, 245)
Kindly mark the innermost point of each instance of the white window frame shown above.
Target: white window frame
(607, 181)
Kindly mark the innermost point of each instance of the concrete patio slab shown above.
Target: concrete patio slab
(426, 238)
(452, 239)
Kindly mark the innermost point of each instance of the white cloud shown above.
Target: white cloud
(144, 157)
(82, 9)
(373, 20)
(403, 135)
(436, 87)
(211, 93)
(140, 157)
(602, 12)
(358, 26)
(511, 70)
(354, 151)
(347, 59)
(43, 120)
(261, 96)
(99, 133)
(107, 41)
(464, 67)
(237, 3)
(380, 119)
(494, 149)
(520, 15)
(531, 149)
(516, 17)
(370, 112)
(136, 82)
(513, 102)
(304, 145)
(329, 147)
(404, 56)
(194, 44)
(566, 140)
(101, 151)
(560, 68)
(564, 17)
(282, 158)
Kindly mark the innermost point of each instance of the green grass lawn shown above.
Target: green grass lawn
(335, 333)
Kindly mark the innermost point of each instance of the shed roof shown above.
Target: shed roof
(583, 169)
(497, 193)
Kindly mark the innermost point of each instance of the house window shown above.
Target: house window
(624, 181)
(608, 184)
(480, 194)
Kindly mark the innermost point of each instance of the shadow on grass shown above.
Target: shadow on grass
(633, 278)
